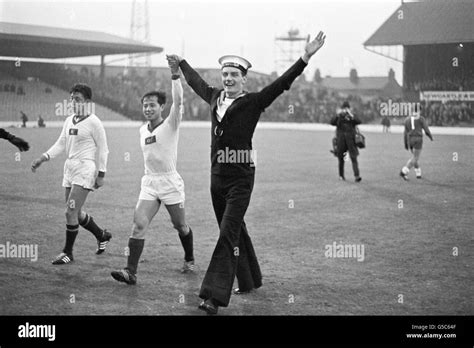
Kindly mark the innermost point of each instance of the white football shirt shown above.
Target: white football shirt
(160, 146)
(82, 140)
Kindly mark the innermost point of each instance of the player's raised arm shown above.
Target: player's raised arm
(100, 138)
(194, 80)
(176, 93)
(57, 148)
(283, 83)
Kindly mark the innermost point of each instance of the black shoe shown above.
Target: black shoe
(62, 259)
(358, 179)
(188, 267)
(404, 176)
(102, 243)
(238, 291)
(124, 276)
(209, 307)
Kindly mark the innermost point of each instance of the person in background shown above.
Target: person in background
(413, 140)
(41, 123)
(346, 122)
(24, 119)
(386, 124)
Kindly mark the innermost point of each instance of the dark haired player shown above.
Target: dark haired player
(161, 182)
(413, 139)
(234, 116)
(83, 137)
(21, 144)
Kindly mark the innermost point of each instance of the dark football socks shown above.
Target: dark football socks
(71, 233)
(135, 247)
(89, 224)
(187, 243)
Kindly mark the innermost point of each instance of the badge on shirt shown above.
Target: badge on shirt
(73, 131)
(150, 140)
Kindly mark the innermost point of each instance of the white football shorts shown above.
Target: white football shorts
(79, 172)
(167, 188)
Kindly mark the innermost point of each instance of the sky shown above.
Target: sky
(202, 31)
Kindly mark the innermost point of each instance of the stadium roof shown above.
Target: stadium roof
(35, 41)
(434, 22)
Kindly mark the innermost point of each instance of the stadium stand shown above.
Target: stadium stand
(121, 89)
(20, 41)
(36, 88)
(35, 97)
(438, 44)
(119, 93)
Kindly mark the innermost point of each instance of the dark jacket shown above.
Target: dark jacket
(4, 134)
(344, 123)
(345, 133)
(240, 119)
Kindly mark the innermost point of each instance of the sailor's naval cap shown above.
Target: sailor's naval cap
(235, 62)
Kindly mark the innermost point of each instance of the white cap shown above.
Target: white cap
(235, 61)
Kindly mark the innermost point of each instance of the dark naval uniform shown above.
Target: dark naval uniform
(232, 183)
(18, 142)
(3, 134)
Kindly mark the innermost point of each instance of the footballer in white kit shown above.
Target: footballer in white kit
(160, 145)
(84, 140)
(161, 182)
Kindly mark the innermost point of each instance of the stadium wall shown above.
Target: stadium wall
(368, 128)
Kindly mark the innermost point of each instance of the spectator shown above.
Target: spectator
(41, 123)
(24, 119)
(386, 124)
(306, 101)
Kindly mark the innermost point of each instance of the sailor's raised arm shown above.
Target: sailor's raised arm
(194, 80)
(283, 83)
